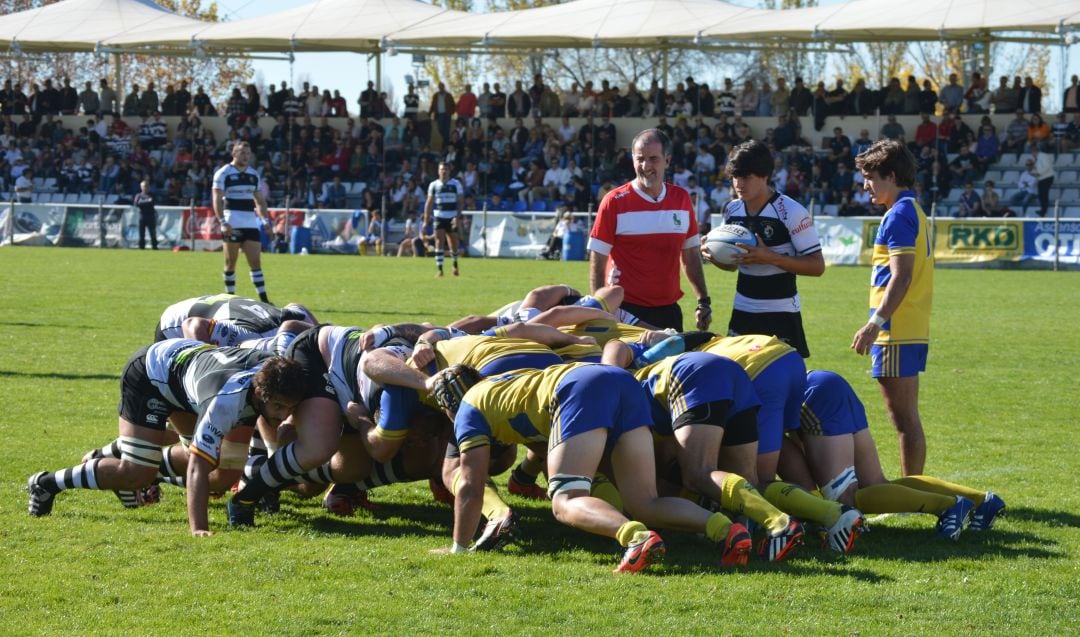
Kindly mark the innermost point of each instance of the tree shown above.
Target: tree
(217, 75)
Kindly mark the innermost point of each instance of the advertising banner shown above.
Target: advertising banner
(509, 235)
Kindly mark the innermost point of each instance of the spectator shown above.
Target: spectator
(1005, 98)
(1044, 174)
(977, 96)
(1031, 97)
(747, 102)
(1038, 132)
(926, 132)
(24, 184)
(466, 104)
(148, 101)
(131, 102)
(991, 201)
(1027, 188)
(726, 102)
(952, 96)
(1059, 132)
(970, 203)
(893, 129)
(107, 98)
(861, 101)
(801, 98)
(987, 146)
(441, 110)
(1016, 134)
(927, 98)
(519, 104)
(1070, 99)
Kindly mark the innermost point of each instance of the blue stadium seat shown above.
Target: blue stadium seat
(499, 189)
(520, 206)
(539, 206)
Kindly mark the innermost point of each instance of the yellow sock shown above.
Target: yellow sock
(739, 496)
(943, 487)
(896, 498)
(716, 529)
(378, 249)
(791, 499)
(454, 483)
(630, 532)
(603, 489)
(363, 249)
(494, 507)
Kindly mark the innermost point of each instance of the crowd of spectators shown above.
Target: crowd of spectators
(538, 162)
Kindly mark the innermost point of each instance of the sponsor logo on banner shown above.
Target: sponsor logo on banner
(1040, 242)
(983, 237)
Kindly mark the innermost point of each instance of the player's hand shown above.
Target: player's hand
(864, 338)
(753, 255)
(703, 315)
(706, 256)
(367, 341)
(586, 340)
(423, 354)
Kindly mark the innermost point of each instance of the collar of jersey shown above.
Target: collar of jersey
(646, 196)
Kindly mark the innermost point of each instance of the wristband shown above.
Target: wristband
(704, 301)
(457, 548)
(878, 319)
(382, 335)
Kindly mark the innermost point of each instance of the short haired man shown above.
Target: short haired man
(897, 335)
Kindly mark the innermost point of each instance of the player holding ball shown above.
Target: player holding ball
(766, 295)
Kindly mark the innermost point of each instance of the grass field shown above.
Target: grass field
(999, 400)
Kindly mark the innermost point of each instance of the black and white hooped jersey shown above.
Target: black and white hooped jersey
(445, 195)
(787, 229)
(217, 387)
(238, 187)
(344, 369)
(172, 319)
(252, 317)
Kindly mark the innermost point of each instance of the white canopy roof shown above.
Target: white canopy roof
(610, 23)
(79, 25)
(324, 25)
(875, 20)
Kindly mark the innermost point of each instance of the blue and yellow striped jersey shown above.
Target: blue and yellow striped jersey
(479, 351)
(604, 331)
(904, 230)
(517, 407)
(754, 352)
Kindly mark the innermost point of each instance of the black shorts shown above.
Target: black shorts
(497, 448)
(140, 402)
(661, 317)
(240, 235)
(786, 326)
(305, 350)
(446, 225)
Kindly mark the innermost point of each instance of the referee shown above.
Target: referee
(144, 201)
(240, 207)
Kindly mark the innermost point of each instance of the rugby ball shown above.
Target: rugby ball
(725, 242)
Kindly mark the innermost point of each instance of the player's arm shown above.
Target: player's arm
(379, 335)
(384, 368)
(597, 269)
(902, 267)
(468, 501)
(196, 329)
(695, 274)
(429, 205)
(806, 265)
(198, 494)
(219, 206)
(545, 335)
(561, 315)
(261, 207)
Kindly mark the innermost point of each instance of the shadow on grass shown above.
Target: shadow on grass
(1042, 516)
(58, 375)
(924, 545)
(374, 311)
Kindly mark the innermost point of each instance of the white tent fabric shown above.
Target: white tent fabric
(611, 23)
(79, 25)
(877, 20)
(324, 25)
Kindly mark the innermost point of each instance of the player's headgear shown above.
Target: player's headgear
(451, 385)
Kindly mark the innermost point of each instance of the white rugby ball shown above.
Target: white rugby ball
(726, 241)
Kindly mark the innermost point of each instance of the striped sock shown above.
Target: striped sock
(230, 282)
(260, 284)
(278, 470)
(386, 473)
(83, 476)
(439, 260)
(167, 472)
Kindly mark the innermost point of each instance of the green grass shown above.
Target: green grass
(999, 401)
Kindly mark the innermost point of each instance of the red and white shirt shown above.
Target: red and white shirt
(644, 239)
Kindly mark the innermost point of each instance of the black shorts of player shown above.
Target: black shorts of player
(240, 235)
(661, 317)
(305, 350)
(739, 429)
(786, 326)
(140, 402)
(497, 449)
(446, 225)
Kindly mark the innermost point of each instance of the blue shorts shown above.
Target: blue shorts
(831, 407)
(780, 387)
(898, 361)
(396, 408)
(598, 397)
(700, 378)
(527, 360)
